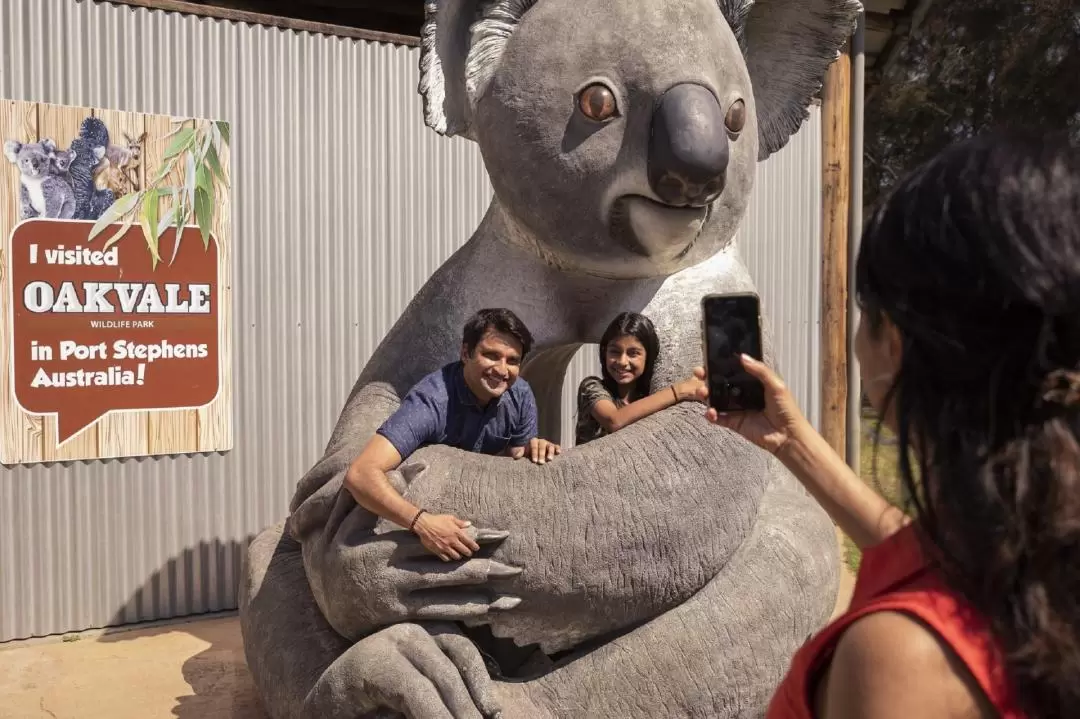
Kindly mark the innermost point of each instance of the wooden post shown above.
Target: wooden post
(836, 197)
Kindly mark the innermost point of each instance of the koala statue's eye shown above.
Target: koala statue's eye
(597, 102)
(735, 119)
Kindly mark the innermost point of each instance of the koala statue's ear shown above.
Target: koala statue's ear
(99, 152)
(444, 48)
(789, 44)
(48, 144)
(11, 150)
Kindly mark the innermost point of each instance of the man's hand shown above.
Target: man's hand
(538, 450)
(444, 536)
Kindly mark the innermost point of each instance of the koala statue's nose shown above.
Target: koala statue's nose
(688, 147)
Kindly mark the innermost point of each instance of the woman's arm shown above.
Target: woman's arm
(613, 418)
(859, 511)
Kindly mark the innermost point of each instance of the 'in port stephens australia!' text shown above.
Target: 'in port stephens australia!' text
(99, 330)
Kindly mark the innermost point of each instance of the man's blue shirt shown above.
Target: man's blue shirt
(441, 409)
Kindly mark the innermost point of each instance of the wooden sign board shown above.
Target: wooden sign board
(115, 284)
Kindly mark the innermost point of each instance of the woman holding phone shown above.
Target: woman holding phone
(968, 280)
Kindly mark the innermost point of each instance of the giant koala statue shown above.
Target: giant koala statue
(670, 569)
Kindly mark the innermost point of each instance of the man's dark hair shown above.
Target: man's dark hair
(498, 320)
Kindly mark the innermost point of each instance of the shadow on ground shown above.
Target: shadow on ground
(206, 647)
(220, 682)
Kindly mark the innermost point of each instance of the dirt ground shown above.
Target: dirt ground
(193, 670)
(189, 670)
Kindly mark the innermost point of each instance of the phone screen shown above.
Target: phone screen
(732, 327)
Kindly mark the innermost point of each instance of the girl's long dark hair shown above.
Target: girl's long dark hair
(640, 327)
(976, 260)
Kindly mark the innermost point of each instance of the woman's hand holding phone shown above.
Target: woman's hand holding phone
(774, 427)
(859, 511)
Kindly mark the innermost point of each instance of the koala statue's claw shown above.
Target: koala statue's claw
(507, 602)
(449, 606)
(484, 536)
(498, 570)
(433, 574)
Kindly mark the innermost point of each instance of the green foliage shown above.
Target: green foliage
(973, 66)
(197, 151)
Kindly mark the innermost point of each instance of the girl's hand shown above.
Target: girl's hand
(776, 425)
(688, 389)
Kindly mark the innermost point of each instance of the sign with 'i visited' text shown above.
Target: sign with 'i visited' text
(115, 297)
(103, 331)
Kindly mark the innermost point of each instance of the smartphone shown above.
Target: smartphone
(732, 326)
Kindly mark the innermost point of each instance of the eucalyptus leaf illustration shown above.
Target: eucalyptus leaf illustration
(189, 179)
(114, 212)
(166, 222)
(215, 164)
(183, 140)
(151, 241)
(204, 209)
(203, 147)
(192, 196)
(179, 122)
(164, 171)
(150, 215)
(119, 233)
(205, 181)
(181, 215)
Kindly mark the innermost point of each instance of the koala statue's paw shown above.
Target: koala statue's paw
(420, 670)
(400, 580)
(432, 589)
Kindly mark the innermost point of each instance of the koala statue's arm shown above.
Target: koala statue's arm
(740, 630)
(575, 543)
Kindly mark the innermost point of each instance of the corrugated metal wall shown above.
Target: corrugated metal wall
(344, 203)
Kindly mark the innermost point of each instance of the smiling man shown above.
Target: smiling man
(478, 404)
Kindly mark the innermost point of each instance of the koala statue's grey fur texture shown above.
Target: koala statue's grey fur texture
(43, 191)
(670, 569)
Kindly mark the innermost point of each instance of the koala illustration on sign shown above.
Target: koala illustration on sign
(43, 190)
(669, 569)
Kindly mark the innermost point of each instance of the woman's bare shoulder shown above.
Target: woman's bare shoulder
(890, 664)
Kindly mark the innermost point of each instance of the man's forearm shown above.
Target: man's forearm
(372, 490)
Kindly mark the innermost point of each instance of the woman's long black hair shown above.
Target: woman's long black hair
(640, 327)
(976, 259)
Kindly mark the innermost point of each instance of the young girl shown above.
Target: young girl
(628, 352)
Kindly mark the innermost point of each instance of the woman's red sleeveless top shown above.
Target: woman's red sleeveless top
(894, 576)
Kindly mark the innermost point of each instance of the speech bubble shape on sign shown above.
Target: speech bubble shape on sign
(98, 331)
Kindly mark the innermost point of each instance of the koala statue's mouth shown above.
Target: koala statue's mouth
(655, 229)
